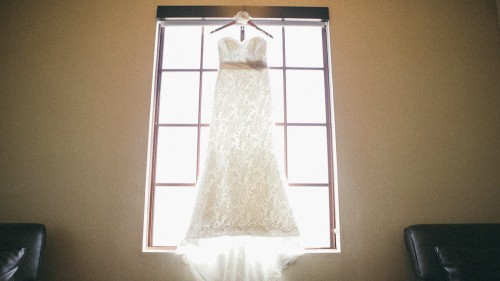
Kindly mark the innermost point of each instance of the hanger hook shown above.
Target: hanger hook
(242, 17)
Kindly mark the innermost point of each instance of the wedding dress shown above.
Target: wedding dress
(242, 227)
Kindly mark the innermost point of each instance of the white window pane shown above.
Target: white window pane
(209, 79)
(311, 209)
(305, 96)
(274, 45)
(176, 155)
(279, 144)
(304, 46)
(204, 135)
(179, 97)
(276, 80)
(307, 154)
(211, 44)
(182, 47)
(172, 212)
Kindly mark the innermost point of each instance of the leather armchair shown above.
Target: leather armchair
(30, 236)
(421, 242)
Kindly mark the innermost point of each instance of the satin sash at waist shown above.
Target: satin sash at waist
(243, 65)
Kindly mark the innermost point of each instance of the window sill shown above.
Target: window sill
(172, 250)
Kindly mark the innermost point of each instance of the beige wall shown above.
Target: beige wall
(417, 105)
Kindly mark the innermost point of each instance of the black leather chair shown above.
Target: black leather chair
(30, 236)
(421, 242)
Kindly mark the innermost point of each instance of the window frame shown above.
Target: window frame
(192, 14)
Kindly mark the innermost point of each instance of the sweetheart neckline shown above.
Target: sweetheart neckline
(244, 41)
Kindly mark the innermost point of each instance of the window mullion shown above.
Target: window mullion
(200, 96)
(285, 137)
(296, 68)
(308, 184)
(184, 70)
(176, 184)
(301, 124)
(329, 135)
(155, 135)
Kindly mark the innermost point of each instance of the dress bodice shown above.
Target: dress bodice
(251, 50)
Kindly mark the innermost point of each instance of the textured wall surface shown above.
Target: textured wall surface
(417, 97)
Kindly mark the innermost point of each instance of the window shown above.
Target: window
(185, 75)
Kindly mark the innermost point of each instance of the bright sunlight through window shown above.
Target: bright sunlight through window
(187, 63)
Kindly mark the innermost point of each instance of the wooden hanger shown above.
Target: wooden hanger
(242, 18)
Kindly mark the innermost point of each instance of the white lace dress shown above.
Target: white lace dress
(242, 227)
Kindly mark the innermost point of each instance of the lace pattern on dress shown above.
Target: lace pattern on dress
(241, 201)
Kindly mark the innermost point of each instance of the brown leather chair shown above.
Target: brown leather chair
(31, 237)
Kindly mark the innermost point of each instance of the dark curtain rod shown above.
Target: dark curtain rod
(268, 12)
